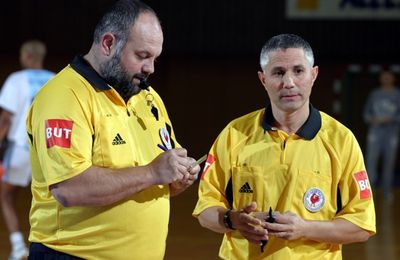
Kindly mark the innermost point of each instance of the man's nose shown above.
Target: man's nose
(288, 81)
(148, 67)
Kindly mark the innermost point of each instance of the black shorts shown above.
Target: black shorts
(38, 251)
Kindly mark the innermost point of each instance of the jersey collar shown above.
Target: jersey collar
(309, 129)
(80, 65)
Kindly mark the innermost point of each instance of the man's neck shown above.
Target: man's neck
(90, 58)
(290, 122)
(34, 66)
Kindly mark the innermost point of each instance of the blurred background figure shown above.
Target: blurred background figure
(15, 99)
(382, 114)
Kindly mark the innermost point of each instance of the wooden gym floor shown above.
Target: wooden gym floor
(188, 240)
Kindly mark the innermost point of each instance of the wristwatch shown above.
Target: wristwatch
(227, 220)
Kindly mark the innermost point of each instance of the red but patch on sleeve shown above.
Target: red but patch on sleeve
(363, 184)
(58, 132)
(209, 162)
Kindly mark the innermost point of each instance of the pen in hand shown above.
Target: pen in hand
(198, 162)
(270, 219)
(162, 147)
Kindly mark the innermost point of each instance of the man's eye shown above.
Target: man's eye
(143, 56)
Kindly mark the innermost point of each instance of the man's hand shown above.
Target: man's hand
(290, 226)
(249, 226)
(171, 166)
(188, 179)
(287, 226)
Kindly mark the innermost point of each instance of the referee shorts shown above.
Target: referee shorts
(16, 163)
(38, 251)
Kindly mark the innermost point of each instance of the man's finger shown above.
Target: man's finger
(250, 208)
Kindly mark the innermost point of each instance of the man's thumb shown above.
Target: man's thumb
(251, 207)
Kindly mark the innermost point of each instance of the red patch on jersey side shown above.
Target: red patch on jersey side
(58, 132)
(209, 162)
(363, 184)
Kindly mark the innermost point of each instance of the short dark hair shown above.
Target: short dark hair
(285, 41)
(119, 19)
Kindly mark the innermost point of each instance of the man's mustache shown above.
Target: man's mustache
(143, 80)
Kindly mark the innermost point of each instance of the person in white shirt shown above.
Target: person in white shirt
(16, 96)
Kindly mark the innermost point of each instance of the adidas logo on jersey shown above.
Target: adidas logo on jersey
(118, 140)
(246, 188)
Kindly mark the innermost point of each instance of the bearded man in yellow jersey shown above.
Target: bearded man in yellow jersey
(100, 182)
(287, 181)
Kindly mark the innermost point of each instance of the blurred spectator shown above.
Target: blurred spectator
(15, 99)
(382, 113)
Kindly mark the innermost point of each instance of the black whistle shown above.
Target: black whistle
(269, 219)
(143, 84)
(154, 110)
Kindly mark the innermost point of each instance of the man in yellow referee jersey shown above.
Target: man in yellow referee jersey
(100, 182)
(287, 181)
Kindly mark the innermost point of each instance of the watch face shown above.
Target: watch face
(227, 220)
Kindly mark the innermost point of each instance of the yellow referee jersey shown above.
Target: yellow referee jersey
(317, 173)
(76, 121)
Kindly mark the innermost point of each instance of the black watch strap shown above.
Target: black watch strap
(227, 220)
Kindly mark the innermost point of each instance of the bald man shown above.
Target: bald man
(101, 185)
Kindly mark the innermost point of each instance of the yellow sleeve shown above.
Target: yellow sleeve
(216, 175)
(356, 193)
(59, 122)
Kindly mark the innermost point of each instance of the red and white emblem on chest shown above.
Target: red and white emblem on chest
(314, 200)
(363, 184)
(58, 132)
(165, 138)
(209, 162)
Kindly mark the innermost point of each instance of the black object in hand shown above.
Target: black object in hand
(270, 219)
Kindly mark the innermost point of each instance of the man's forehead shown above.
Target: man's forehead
(284, 58)
(288, 53)
(146, 35)
(146, 24)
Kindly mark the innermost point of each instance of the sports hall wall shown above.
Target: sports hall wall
(207, 73)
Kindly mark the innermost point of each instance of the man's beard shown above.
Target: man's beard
(114, 74)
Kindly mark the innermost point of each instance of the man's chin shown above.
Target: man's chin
(135, 81)
(136, 89)
(292, 106)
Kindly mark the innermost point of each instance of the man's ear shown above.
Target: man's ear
(261, 76)
(107, 43)
(314, 73)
